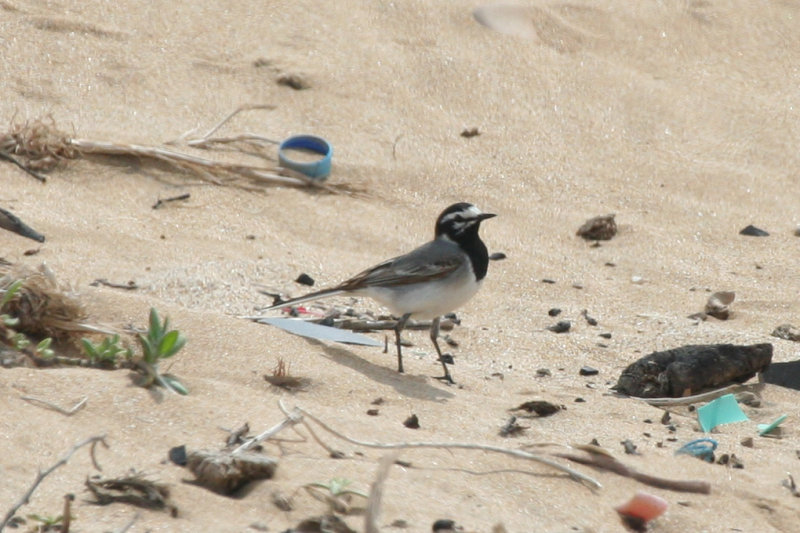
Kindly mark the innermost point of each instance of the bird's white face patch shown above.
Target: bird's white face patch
(462, 218)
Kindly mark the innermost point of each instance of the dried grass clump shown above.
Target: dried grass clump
(38, 145)
(44, 309)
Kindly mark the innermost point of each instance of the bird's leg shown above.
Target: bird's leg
(442, 358)
(398, 328)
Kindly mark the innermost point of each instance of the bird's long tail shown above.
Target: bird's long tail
(318, 295)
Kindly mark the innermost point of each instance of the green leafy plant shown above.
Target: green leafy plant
(338, 494)
(106, 353)
(158, 344)
(8, 295)
(47, 523)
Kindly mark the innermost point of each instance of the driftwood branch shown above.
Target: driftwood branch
(43, 474)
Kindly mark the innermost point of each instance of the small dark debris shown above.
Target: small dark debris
(512, 428)
(609, 264)
(634, 523)
(250, 237)
(237, 436)
(377, 401)
(399, 523)
(468, 133)
(594, 442)
(791, 485)
(323, 524)
(32, 251)
(543, 372)
(605, 335)
(497, 256)
(547, 280)
(293, 81)
(539, 407)
(562, 326)
(305, 279)
(373, 412)
(629, 446)
(589, 320)
(748, 442)
(665, 418)
(600, 228)
(787, 332)
(177, 455)
(555, 311)
(163, 201)
(580, 400)
(404, 464)
(444, 525)
(753, 231)
(134, 490)
(412, 422)
(647, 421)
(130, 286)
(588, 371)
(450, 341)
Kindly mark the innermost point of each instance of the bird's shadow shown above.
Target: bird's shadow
(406, 384)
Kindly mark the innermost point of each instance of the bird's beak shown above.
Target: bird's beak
(484, 216)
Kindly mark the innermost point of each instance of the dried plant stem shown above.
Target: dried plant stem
(69, 412)
(291, 419)
(376, 493)
(686, 400)
(43, 474)
(455, 445)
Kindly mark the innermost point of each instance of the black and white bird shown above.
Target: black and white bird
(428, 282)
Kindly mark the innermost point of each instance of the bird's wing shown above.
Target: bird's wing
(428, 262)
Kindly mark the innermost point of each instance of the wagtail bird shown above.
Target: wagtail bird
(428, 282)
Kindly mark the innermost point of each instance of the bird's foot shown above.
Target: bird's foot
(447, 378)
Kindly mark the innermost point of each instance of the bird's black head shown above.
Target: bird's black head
(460, 222)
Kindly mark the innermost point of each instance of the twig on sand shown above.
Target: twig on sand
(43, 474)
(447, 445)
(376, 493)
(601, 459)
(69, 412)
(686, 400)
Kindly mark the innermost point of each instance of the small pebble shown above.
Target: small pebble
(588, 371)
(543, 372)
(555, 311)
(630, 447)
(412, 422)
(605, 335)
(372, 412)
(561, 326)
(753, 231)
(747, 442)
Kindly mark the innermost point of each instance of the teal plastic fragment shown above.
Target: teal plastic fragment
(723, 410)
(763, 429)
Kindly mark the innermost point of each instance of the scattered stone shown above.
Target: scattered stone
(580, 400)
(600, 228)
(550, 281)
(377, 401)
(589, 320)
(748, 442)
(630, 447)
(718, 303)
(372, 412)
(305, 279)
(578, 286)
(748, 398)
(444, 525)
(281, 501)
(399, 523)
(753, 231)
(787, 332)
(605, 335)
(562, 326)
(555, 311)
(665, 418)
(511, 428)
(412, 422)
(588, 371)
(294, 81)
(543, 372)
(468, 133)
(539, 407)
(497, 256)
(178, 455)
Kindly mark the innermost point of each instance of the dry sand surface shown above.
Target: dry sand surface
(679, 116)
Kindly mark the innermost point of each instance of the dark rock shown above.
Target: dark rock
(588, 371)
(753, 231)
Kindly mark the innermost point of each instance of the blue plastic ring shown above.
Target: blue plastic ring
(318, 170)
